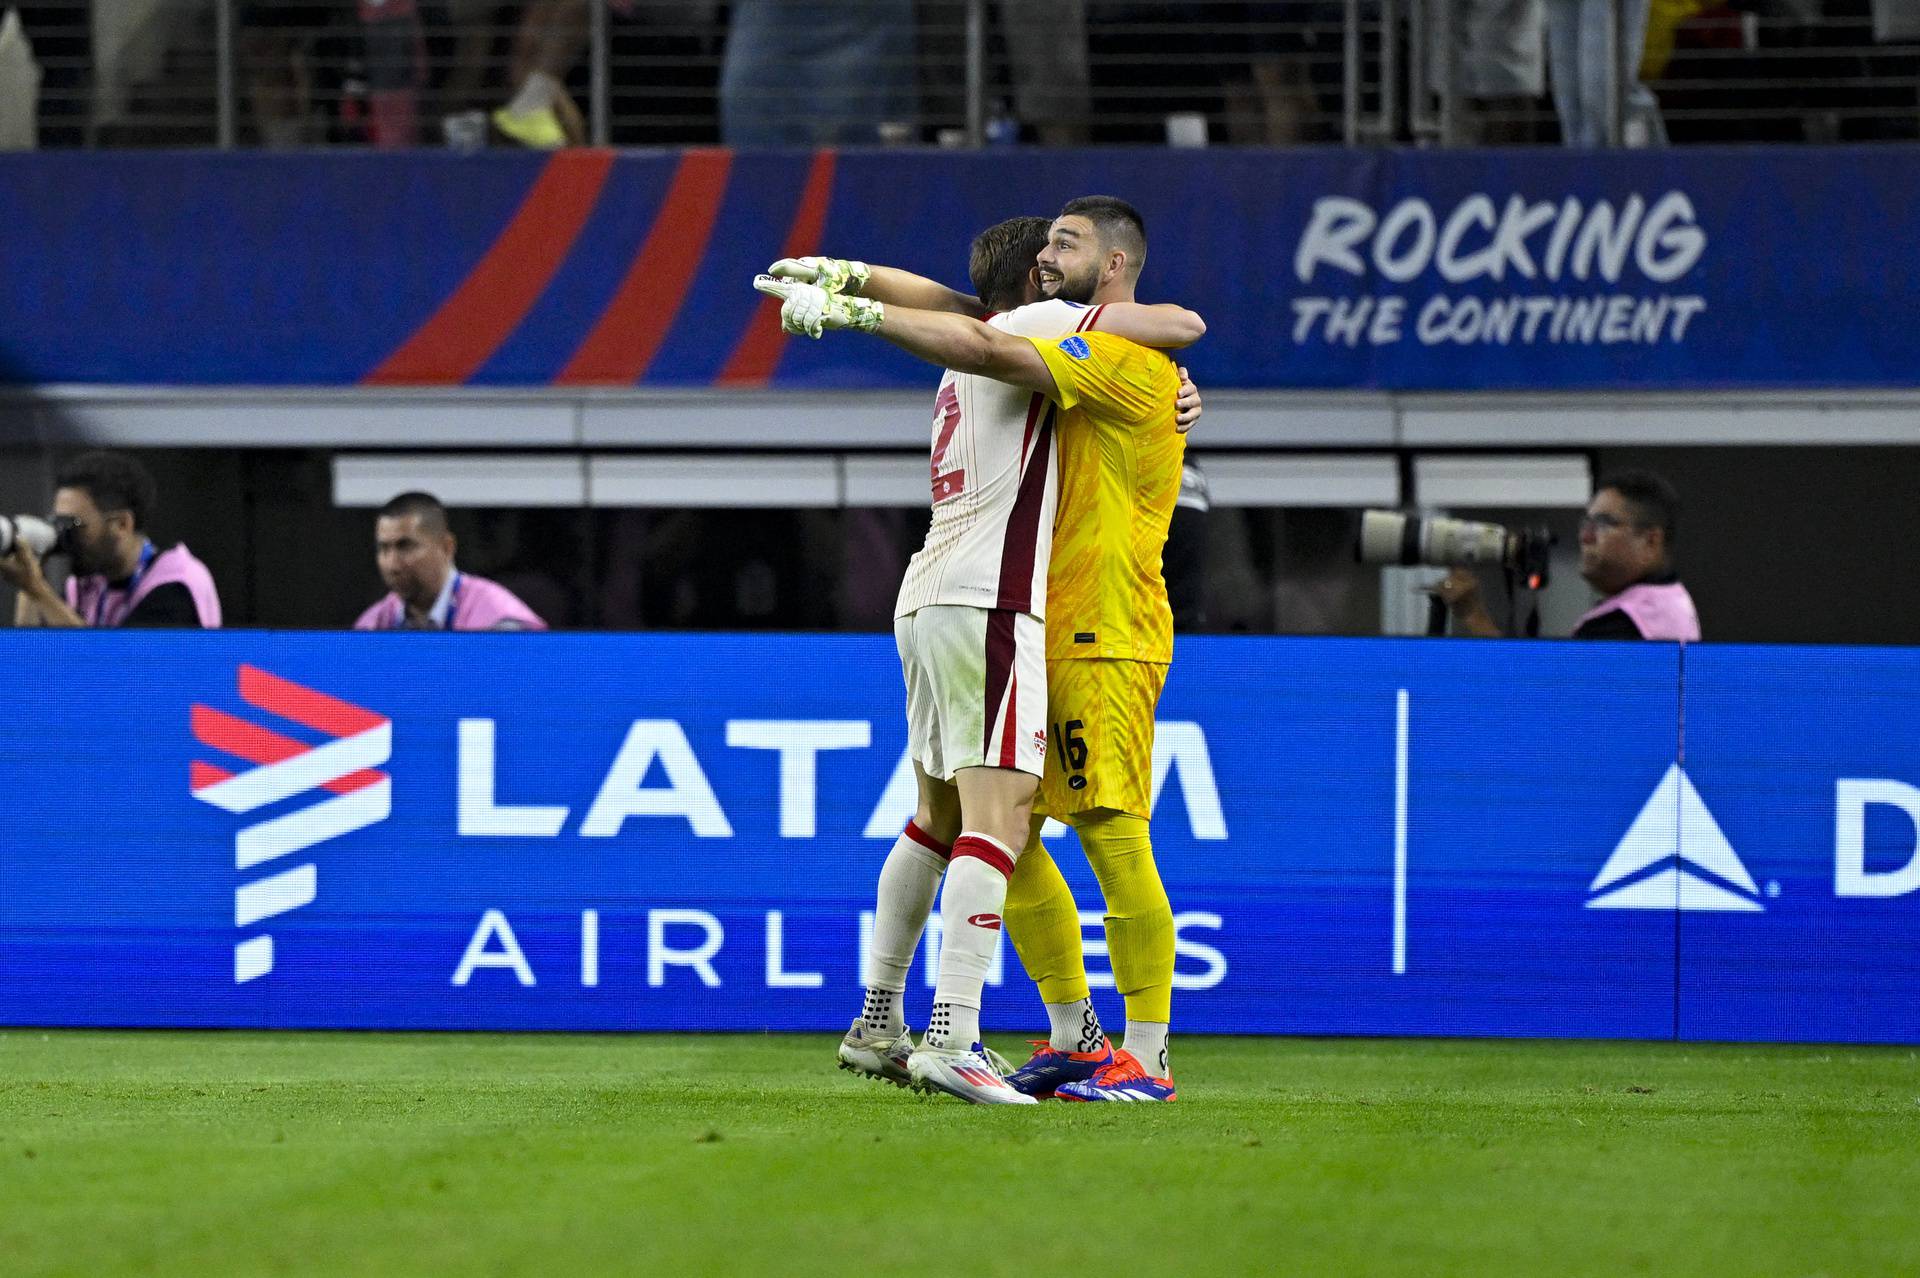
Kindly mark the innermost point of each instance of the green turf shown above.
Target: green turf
(220, 1153)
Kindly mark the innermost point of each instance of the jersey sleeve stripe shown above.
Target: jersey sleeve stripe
(1091, 319)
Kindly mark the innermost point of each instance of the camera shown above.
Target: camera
(1389, 537)
(42, 536)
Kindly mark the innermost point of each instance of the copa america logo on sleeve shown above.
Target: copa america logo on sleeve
(344, 767)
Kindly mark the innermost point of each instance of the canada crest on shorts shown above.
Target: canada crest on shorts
(1040, 743)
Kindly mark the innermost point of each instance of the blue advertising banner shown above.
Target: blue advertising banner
(615, 832)
(1809, 759)
(1396, 270)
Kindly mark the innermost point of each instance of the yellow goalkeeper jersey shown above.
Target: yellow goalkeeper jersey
(1120, 460)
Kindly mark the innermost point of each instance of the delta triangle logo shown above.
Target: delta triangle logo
(1695, 868)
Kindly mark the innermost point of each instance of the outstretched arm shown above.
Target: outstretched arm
(1163, 326)
(967, 346)
(958, 342)
(903, 288)
(887, 284)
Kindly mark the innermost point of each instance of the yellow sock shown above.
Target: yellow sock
(1044, 923)
(1139, 918)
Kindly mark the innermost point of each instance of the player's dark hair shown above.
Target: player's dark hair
(1118, 224)
(1002, 255)
(1654, 501)
(114, 481)
(423, 506)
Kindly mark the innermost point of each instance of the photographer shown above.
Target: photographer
(101, 504)
(1626, 553)
(413, 549)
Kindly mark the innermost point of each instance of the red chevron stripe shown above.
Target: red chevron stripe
(629, 332)
(303, 705)
(201, 775)
(256, 744)
(503, 286)
(753, 360)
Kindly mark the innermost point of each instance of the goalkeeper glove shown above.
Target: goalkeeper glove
(831, 273)
(809, 310)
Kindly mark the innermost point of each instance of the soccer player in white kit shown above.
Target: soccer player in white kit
(969, 623)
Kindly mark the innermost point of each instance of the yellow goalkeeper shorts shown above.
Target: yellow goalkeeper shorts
(1100, 736)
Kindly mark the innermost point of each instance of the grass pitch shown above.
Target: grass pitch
(228, 1153)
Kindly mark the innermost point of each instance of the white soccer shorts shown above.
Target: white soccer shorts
(976, 688)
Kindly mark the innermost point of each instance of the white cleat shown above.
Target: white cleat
(975, 1076)
(872, 1053)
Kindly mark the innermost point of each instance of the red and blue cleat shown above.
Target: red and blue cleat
(1049, 1068)
(1123, 1081)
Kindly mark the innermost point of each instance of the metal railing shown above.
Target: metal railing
(245, 73)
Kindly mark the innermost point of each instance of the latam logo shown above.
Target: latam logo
(1693, 866)
(358, 741)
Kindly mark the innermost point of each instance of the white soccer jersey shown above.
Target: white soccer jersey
(995, 485)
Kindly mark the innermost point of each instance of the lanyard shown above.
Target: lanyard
(453, 606)
(133, 584)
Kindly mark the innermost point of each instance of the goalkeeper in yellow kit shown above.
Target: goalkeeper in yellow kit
(1109, 644)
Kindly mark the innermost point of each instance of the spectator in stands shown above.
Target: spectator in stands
(61, 34)
(467, 48)
(1499, 69)
(1253, 70)
(1626, 554)
(368, 60)
(1045, 42)
(818, 73)
(413, 547)
(1292, 54)
(275, 38)
(550, 39)
(119, 577)
(19, 86)
(1577, 51)
(661, 87)
(393, 52)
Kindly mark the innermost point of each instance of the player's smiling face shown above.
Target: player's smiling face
(1070, 263)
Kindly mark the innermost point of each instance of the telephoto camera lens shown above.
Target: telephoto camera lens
(1388, 537)
(36, 534)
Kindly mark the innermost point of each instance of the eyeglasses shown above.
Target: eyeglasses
(82, 523)
(1603, 523)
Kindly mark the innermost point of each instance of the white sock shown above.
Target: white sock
(970, 905)
(1076, 1027)
(1147, 1040)
(909, 882)
(880, 1012)
(953, 1027)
